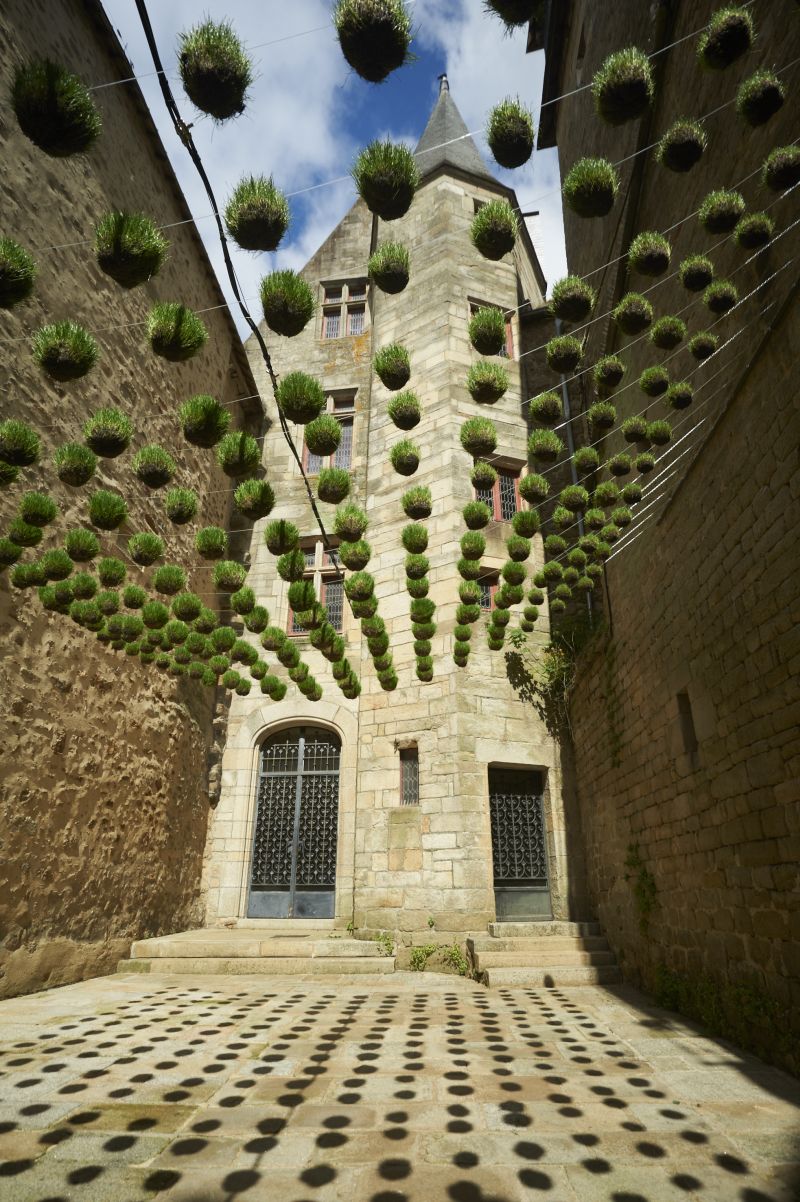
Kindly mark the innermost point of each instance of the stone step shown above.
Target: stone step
(546, 928)
(555, 943)
(554, 977)
(248, 945)
(270, 925)
(542, 959)
(262, 965)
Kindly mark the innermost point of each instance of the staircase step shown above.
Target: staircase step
(261, 965)
(552, 977)
(555, 943)
(202, 946)
(546, 928)
(542, 959)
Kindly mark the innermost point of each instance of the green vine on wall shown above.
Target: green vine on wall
(645, 890)
(547, 678)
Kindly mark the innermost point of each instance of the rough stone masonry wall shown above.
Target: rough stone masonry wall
(706, 601)
(104, 797)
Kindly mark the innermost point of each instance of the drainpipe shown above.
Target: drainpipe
(571, 449)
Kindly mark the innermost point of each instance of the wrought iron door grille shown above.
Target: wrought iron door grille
(519, 848)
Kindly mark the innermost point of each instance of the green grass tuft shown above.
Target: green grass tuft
(54, 108)
(175, 332)
(374, 35)
(17, 273)
(129, 247)
(682, 146)
(20, 445)
(386, 178)
(393, 366)
(487, 382)
(494, 229)
(214, 68)
(257, 214)
(203, 420)
(591, 187)
(65, 350)
(389, 267)
(571, 299)
(623, 87)
(300, 397)
(287, 301)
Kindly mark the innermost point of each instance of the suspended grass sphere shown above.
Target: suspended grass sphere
(281, 536)
(487, 330)
(572, 300)
(518, 548)
(87, 614)
(552, 571)
(238, 454)
(487, 382)
(415, 538)
(754, 230)
(545, 446)
(203, 420)
(513, 13)
(564, 353)
(404, 457)
(350, 523)
(257, 214)
(404, 410)
(108, 432)
(601, 415)
(494, 229)
(720, 211)
(214, 68)
(721, 296)
(526, 523)
(176, 333)
(533, 488)
(594, 519)
(469, 569)
(667, 333)
(619, 465)
(561, 517)
(389, 267)
(81, 545)
(554, 545)
(145, 548)
(211, 542)
(333, 485)
(586, 459)
(365, 609)
(107, 510)
(169, 579)
(473, 544)
(129, 247)
(634, 429)
(254, 498)
(287, 301)
(546, 408)
(623, 87)
(632, 493)
(591, 187)
(782, 168)
(703, 345)
(54, 109)
(682, 146)
(393, 366)
(26, 575)
(649, 254)
(728, 35)
(37, 508)
(422, 609)
(654, 381)
(476, 514)
(696, 273)
(633, 314)
(24, 534)
(606, 494)
(386, 178)
(574, 498)
(644, 463)
(483, 476)
(359, 587)
(257, 619)
(418, 588)
(417, 567)
(510, 132)
(760, 97)
(659, 433)
(374, 36)
(206, 621)
(229, 576)
(155, 615)
(154, 466)
(680, 395)
(187, 607)
(17, 273)
(8, 474)
(478, 436)
(323, 434)
(224, 637)
(57, 565)
(300, 397)
(292, 565)
(65, 350)
(180, 505)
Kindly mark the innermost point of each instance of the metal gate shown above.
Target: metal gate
(294, 847)
(519, 844)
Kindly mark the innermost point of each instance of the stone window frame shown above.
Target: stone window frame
(493, 497)
(341, 404)
(408, 765)
(342, 301)
(473, 304)
(488, 579)
(323, 574)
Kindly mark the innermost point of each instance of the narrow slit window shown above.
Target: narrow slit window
(409, 776)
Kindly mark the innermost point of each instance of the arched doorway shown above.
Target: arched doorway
(293, 872)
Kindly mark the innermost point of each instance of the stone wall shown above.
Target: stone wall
(104, 783)
(686, 711)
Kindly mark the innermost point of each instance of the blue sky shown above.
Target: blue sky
(309, 114)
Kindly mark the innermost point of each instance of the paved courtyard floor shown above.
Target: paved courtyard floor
(411, 1086)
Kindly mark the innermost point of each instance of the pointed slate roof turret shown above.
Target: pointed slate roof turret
(446, 142)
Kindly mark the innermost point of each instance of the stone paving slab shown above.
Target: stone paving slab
(413, 1088)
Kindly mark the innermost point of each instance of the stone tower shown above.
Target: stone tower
(439, 800)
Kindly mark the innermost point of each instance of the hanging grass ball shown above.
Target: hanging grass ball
(254, 498)
(203, 420)
(591, 187)
(649, 254)
(473, 544)
(418, 588)
(659, 433)
(487, 330)
(760, 97)
(644, 463)
(728, 35)
(415, 538)
(169, 579)
(17, 273)
(721, 296)
(623, 87)
(562, 517)
(389, 267)
(633, 314)
(229, 576)
(239, 454)
(287, 301)
(145, 548)
(594, 519)
(622, 516)
(154, 466)
(572, 300)
(244, 602)
(81, 545)
(404, 410)
(333, 485)
(634, 429)
(682, 146)
(214, 69)
(574, 498)
(601, 415)
(607, 374)
(586, 459)
(176, 333)
(187, 607)
(533, 488)
(478, 436)
(108, 432)
(37, 508)
(386, 178)
(754, 230)
(483, 476)
(206, 621)
(180, 505)
(350, 523)
(257, 619)
(654, 381)
(606, 495)
(323, 434)
(374, 36)
(107, 510)
(510, 133)
(466, 615)
(281, 536)
(562, 592)
(8, 474)
(65, 350)
(24, 534)
(25, 575)
(57, 565)
(696, 273)
(619, 465)
(404, 457)
(563, 353)
(417, 567)
(546, 408)
(257, 214)
(292, 565)
(667, 333)
(129, 247)
(494, 229)
(211, 542)
(525, 523)
(468, 569)
(487, 382)
(300, 397)
(545, 446)
(552, 571)
(720, 211)
(680, 395)
(703, 345)
(393, 366)
(513, 13)
(358, 587)
(571, 576)
(782, 168)
(84, 586)
(54, 109)
(224, 637)
(554, 545)
(476, 514)
(536, 597)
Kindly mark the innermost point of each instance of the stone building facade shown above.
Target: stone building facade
(103, 793)
(397, 865)
(686, 712)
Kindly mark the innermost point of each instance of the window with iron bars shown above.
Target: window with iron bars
(409, 776)
(487, 585)
(342, 404)
(503, 497)
(328, 588)
(344, 309)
